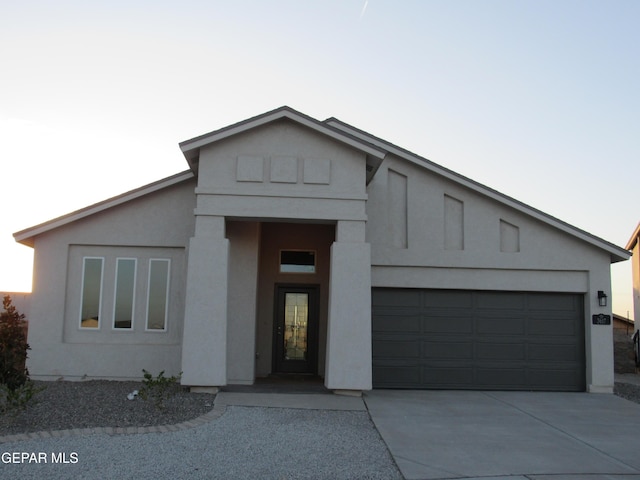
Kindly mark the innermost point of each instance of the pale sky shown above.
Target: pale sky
(537, 99)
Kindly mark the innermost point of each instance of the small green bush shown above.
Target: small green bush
(18, 398)
(13, 347)
(160, 388)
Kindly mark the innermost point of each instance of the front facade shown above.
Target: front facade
(298, 246)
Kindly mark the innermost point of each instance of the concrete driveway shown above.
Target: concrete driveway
(519, 435)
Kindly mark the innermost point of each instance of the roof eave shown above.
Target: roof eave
(27, 236)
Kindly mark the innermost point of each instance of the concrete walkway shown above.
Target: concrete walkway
(308, 401)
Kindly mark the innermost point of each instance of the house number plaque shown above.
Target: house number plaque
(601, 319)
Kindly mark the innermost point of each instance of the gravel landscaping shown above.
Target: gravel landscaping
(627, 390)
(100, 403)
(245, 442)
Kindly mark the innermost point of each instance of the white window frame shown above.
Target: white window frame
(166, 300)
(133, 295)
(102, 262)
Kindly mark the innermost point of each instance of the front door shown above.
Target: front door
(296, 329)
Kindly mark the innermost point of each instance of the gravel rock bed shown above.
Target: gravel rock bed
(628, 391)
(244, 443)
(64, 405)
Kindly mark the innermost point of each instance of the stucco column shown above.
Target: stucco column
(599, 338)
(348, 364)
(204, 344)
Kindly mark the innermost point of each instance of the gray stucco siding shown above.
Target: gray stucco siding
(155, 226)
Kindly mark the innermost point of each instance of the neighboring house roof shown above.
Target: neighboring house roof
(631, 244)
(375, 149)
(26, 236)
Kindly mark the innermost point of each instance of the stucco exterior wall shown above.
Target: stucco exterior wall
(156, 225)
(257, 175)
(244, 247)
(458, 239)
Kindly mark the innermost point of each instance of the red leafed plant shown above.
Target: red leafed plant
(13, 346)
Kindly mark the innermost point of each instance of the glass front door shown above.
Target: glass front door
(295, 329)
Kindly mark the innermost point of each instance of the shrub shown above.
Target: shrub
(13, 347)
(160, 388)
(18, 398)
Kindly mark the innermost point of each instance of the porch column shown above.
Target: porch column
(204, 344)
(348, 364)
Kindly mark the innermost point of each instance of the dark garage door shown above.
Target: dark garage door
(458, 339)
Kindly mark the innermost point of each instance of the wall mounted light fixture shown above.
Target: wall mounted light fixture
(602, 298)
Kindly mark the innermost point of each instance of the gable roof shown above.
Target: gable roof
(27, 235)
(375, 149)
(191, 148)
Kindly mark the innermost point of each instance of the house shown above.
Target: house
(623, 325)
(634, 246)
(623, 346)
(293, 245)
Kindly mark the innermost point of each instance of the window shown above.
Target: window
(124, 293)
(91, 292)
(158, 294)
(297, 261)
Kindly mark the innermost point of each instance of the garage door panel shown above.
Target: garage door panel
(559, 326)
(396, 349)
(397, 297)
(479, 340)
(554, 302)
(504, 351)
(559, 353)
(552, 379)
(447, 377)
(495, 325)
(447, 350)
(454, 324)
(397, 323)
(447, 299)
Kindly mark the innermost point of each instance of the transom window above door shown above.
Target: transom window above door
(297, 261)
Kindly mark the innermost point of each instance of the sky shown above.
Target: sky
(537, 99)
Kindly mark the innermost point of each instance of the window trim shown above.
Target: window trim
(133, 295)
(166, 299)
(82, 283)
